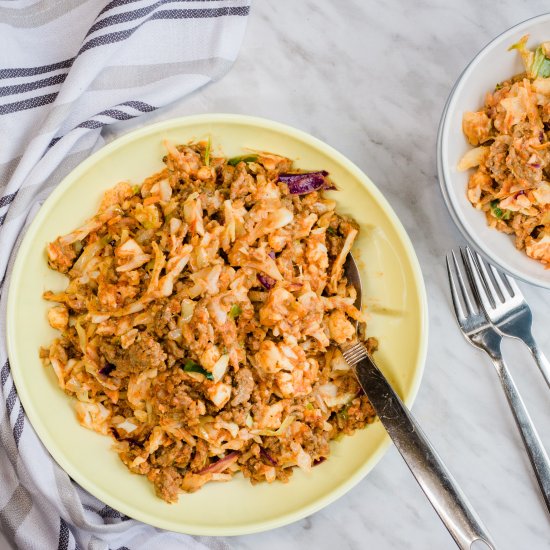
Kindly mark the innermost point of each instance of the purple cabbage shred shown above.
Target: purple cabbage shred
(301, 184)
(266, 280)
(266, 455)
(107, 369)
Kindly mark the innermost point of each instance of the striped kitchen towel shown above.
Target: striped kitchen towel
(68, 68)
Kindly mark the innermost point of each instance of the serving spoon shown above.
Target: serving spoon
(422, 459)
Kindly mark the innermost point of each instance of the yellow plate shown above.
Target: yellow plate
(393, 291)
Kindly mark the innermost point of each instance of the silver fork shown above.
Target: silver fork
(481, 334)
(507, 309)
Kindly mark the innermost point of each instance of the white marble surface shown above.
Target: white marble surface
(371, 79)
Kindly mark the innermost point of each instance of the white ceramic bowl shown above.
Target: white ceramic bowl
(492, 65)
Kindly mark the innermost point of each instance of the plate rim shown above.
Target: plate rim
(443, 170)
(189, 121)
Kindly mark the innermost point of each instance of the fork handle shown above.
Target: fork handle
(541, 360)
(533, 445)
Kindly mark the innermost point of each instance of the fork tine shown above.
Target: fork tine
(476, 275)
(504, 292)
(454, 295)
(512, 284)
(466, 296)
(487, 283)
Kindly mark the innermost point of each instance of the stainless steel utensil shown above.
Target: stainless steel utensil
(507, 310)
(422, 459)
(481, 334)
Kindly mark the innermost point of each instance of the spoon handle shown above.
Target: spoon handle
(422, 459)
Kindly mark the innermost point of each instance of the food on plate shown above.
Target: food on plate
(511, 158)
(199, 322)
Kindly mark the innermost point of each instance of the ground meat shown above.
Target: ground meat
(357, 415)
(372, 345)
(334, 243)
(167, 482)
(175, 394)
(181, 400)
(145, 353)
(130, 455)
(163, 315)
(61, 256)
(244, 384)
(200, 457)
(346, 224)
(178, 455)
(317, 444)
(260, 461)
(242, 184)
(518, 163)
(496, 161)
(173, 349)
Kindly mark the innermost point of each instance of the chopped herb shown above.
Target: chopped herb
(244, 158)
(207, 151)
(235, 311)
(499, 86)
(536, 64)
(331, 230)
(309, 407)
(191, 366)
(136, 189)
(344, 413)
(541, 64)
(496, 210)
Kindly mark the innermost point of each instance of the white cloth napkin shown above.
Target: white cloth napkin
(68, 68)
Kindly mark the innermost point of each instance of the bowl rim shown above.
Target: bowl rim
(217, 118)
(443, 170)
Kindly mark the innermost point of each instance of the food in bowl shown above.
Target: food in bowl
(511, 136)
(199, 324)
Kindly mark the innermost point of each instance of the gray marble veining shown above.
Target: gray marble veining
(371, 79)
